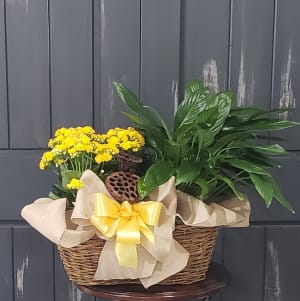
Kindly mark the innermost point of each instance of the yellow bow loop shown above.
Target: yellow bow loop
(126, 222)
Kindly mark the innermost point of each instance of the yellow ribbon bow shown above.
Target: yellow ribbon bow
(127, 222)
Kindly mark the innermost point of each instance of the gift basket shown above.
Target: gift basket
(144, 204)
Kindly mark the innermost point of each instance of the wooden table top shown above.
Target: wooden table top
(217, 279)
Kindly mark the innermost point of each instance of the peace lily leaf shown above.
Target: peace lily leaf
(159, 173)
(224, 103)
(246, 113)
(192, 86)
(190, 108)
(238, 194)
(68, 175)
(129, 98)
(187, 172)
(203, 185)
(280, 198)
(274, 149)
(248, 166)
(263, 186)
(268, 124)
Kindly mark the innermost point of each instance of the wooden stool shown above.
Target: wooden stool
(217, 279)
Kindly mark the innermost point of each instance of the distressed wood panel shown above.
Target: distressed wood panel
(66, 290)
(160, 42)
(218, 257)
(21, 181)
(120, 56)
(6, 283)
(71, 62)
(251, 62)
(282, 263)
(244, 258)
(286, 88)
(205, 29)
(97, 63)
(287, 178)
(33, 266)
(28, 77)
(3, 92)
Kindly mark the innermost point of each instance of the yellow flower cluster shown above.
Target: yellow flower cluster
(75, 184)
(70, 143)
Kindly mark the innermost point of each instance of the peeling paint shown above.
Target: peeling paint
(111, 94)
(272, 286)
(246, 85)
(210, 75)
(241, 91)
(175, 94)
(103, 26)
(20, 277)
(287, 99)
(24, 3)
(74, 293)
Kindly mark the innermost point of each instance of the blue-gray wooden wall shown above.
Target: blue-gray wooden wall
(58, 59)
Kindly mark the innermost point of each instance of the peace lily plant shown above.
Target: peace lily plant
(213, 147)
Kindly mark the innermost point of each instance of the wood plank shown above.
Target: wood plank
(218, 257)
(244, 258)
(97, 63)
(251, 62)
(66, 290)
(71, 62)
(160, 42)
(120, 56)
(28, 76)
(205, 41)
(282, 263)
(287, 178)
(286, 87)
(21, 181)
(3, 92)
(33, 266)
(6, 276)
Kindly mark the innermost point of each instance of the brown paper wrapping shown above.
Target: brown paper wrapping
(155, 261)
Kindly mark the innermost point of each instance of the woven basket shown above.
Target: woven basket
(81, 262)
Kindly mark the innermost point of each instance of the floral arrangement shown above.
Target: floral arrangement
(74, 150)
(132, 187)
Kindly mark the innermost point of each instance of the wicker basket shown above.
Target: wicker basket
(81, 262)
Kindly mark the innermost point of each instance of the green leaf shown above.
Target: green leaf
(227, 138)
(263, 186)
(129, 98)
(203, 185)
(187, 172)
(238, 194)
(280, 198)
(207, 117)
(274, 149)
(248, 166)
(246, 113)
(67, 176)
(224, 102)
(53, 196)
(192, 86)
(268, 124)
(159, 173)
(188, 110)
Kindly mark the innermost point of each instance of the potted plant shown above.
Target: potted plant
(131, 200)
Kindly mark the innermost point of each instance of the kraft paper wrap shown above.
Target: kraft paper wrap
(155, 261)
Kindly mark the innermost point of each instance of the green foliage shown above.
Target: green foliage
(212, 147)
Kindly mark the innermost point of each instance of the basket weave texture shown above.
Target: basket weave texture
(80, 262)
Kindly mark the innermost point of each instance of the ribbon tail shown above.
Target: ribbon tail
(126, 254)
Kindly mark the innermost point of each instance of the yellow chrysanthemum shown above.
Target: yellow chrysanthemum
(75, 184)
(104, 157)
